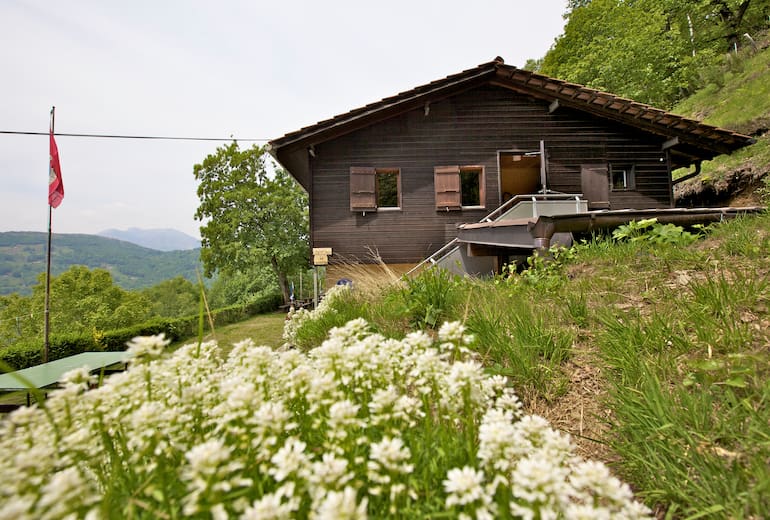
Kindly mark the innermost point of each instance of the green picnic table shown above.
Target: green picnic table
(47, 374)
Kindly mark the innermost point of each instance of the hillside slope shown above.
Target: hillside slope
(22, 259)
(160, 239)
(737, 97)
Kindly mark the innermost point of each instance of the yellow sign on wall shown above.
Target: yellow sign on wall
(321, 255)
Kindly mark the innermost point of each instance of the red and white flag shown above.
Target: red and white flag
(55, 184)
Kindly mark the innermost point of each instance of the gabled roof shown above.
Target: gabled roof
(689, 140)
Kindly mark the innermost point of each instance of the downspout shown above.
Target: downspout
(690, 175)
(543, 168)
(310, 165)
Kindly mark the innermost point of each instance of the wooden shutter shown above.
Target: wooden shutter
(362, 193)
(447, 183)
(595, 184)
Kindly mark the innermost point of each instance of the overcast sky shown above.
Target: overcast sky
(247, 69)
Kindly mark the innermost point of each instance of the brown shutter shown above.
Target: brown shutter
(362, 194)
(595, 185)
(447, 183)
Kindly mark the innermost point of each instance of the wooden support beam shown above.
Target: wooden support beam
(670, 143)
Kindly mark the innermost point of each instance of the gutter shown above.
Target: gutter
(543, 229)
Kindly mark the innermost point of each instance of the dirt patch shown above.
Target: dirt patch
(581, 412)
(738, 188)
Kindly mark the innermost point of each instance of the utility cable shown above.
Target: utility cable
(149, 137)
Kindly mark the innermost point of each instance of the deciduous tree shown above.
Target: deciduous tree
(652, 51)
(251, 217)
(82, 301)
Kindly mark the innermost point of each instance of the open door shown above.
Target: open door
(595, 185)
(519, 174)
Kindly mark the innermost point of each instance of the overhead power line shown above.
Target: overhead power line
(155, 137)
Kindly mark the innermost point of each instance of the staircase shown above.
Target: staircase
(477, 245)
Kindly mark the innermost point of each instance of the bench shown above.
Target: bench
(48, 374)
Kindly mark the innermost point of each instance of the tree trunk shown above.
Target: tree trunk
(732, 21)
(283, 283)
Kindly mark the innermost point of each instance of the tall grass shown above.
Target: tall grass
(519, 341)
(683, 336)
(689, 392)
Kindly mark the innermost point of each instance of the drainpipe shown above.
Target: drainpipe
(690, 175)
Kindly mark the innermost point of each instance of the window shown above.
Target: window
(374, 188)
(388, 188)
(471, 178)
(623, 177)
(459, 187)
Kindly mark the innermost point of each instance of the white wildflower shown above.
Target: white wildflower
(142, 347)
(341, 505)
(80, 378)
(205, 459)
(537, 479)
(390, 454)
(452, 332)
(64, 493)
(331, 472)
(279, 505)
(290, 459)
(593, 483)
(464, 486)
(342, 417)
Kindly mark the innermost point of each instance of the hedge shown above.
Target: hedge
(23, 354)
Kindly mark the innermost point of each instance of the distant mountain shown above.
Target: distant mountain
(160, 239)
(22, 260)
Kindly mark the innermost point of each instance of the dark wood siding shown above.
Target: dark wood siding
(467, 129)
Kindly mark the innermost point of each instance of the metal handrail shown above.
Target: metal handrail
(517, 199)
(439, 252)
(504, 207)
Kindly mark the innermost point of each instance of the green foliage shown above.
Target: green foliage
(518, 341)
(171, 298)
(544, 270)
(81, 301)
(652, 51)
(22, 259)
(231, 288)
(28, 352)
(690, 420)
(650, 230)
(689, 379)
(429, 296)
(252, 218)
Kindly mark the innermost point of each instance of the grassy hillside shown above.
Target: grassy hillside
(737, 97)
(22, 259)
(654, 354)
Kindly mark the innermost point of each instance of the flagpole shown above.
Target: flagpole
(46, 328)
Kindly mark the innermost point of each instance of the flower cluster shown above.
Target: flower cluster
(360, 426)
(299, 317)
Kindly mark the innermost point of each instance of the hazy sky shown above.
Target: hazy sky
(247, 69)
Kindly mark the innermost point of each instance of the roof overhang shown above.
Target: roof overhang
(686, 140)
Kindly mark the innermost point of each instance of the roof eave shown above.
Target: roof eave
(386, 108)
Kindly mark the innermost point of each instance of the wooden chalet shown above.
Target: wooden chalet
(474, 159)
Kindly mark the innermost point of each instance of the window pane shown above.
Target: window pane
(619, 178)
(470, 186)
(387, 190)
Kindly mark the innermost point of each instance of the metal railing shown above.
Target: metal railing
(533, 199)
(504, 209)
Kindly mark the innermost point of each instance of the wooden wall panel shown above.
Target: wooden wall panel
(468, 129)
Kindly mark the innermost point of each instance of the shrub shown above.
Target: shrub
(25, 354)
